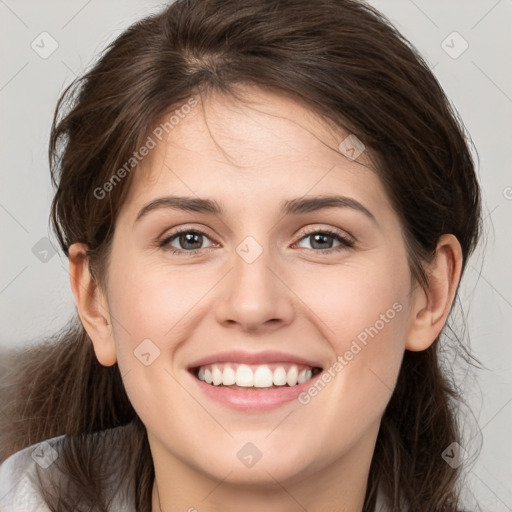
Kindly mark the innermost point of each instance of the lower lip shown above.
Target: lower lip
(254, 399)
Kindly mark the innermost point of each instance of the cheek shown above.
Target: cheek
(152, 306)
(363, 314)
(356, 300)
(150, 300)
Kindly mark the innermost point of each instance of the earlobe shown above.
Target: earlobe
(431, 306)
(91, 304)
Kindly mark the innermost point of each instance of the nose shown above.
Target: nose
(254, 296)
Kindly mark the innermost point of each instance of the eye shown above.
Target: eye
(190, 241)
(322, 240)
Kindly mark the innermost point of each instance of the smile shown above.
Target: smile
(254, 376)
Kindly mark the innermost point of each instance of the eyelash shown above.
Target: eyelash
(345, 242)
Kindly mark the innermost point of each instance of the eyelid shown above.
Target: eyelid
(183, 228)
(331, 231)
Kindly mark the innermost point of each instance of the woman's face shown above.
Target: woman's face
(271, 284)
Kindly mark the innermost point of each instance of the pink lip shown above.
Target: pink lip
(237, 356)
(252, 400)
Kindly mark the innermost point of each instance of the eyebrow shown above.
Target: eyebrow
(289, 207)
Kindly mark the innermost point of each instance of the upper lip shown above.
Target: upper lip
(237, 356)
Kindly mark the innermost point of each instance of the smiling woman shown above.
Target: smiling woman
(274, 268)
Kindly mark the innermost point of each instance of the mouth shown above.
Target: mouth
(255, 377)
(253, 382)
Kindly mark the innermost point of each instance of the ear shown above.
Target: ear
(431, 306)
(92, 305)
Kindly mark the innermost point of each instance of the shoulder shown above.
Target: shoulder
(20, 473)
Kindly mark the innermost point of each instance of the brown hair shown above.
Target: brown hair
(351, 66)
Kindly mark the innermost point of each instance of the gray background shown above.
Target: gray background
(35, 297)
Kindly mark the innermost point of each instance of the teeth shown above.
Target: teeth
(228, 376)
(244, 376)
(216, 375)
(279, 376)
(291, 378)
(261, 376)
(304, 375)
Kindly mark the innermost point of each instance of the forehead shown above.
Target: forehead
(266, 146)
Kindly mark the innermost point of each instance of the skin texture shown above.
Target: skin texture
(292, 298)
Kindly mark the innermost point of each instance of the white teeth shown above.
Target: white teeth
(216, 375)
(304, 375)
(244, 376)
(280, 376)
(261, 376)
(291, 378)
(228, 376)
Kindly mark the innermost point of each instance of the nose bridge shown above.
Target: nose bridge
(253, 295)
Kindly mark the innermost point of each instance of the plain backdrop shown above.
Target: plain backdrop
(468, 46)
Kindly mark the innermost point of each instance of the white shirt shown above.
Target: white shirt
(19, 489)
